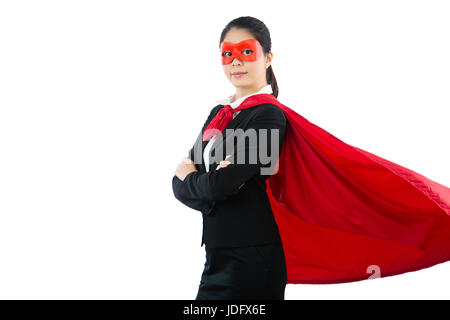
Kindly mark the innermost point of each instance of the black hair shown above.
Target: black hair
(260, 32)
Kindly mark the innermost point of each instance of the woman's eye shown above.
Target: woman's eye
(225, 54)
(251, 51)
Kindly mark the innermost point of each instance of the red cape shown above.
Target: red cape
(345, 214)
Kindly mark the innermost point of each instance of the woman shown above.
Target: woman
(341, 212)
(244, 253)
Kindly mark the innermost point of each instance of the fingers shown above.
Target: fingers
(224, 163)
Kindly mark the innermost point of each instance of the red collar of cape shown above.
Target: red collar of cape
(345, 214)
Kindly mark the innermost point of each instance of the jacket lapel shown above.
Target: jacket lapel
(237, 120)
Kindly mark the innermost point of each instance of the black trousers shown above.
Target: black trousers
(255, 272)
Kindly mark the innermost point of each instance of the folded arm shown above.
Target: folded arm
(221, 184)
(178, 187)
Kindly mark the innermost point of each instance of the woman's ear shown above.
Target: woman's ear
(269, 59)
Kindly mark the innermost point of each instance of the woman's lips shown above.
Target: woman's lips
(238, 74)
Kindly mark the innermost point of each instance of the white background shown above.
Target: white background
(99, 101)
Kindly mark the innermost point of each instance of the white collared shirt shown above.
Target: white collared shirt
(235, 104)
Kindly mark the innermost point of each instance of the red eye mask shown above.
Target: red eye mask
(241, 51)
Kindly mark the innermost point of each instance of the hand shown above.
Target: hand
(225, 163)
(185, 167)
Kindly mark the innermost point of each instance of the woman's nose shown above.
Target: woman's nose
(236, 61)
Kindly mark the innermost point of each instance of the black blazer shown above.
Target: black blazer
(233, 216)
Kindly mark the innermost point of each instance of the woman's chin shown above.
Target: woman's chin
(239, 83)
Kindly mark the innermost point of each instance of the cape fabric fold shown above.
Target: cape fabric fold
(345, 214)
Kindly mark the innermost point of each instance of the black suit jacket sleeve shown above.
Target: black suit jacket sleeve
(178, 187)
(221, 184)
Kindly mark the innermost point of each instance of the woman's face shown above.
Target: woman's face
(255, 76)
